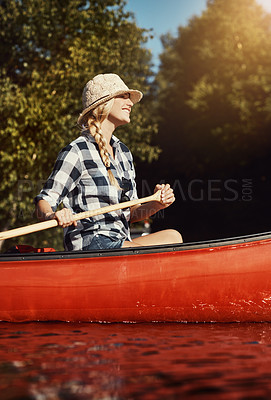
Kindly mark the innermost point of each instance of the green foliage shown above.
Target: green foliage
(48, 50)
(215, 89)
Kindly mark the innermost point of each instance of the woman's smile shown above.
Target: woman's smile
(120, 112)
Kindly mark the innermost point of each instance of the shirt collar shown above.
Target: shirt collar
(114, 140)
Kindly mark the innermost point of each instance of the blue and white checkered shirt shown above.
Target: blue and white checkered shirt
(80, 181)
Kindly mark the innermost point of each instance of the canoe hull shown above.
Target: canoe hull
(211, 283)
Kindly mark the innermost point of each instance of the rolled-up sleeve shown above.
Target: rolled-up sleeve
(66, 173)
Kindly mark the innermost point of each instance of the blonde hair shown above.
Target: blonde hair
(94, 122)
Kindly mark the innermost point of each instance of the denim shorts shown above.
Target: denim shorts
(101, 242)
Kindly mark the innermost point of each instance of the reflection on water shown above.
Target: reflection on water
(51, 361)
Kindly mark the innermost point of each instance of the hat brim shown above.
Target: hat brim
(135, 96)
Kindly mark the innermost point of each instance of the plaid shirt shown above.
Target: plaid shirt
(80, 181)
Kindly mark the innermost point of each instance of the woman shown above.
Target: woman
(96, 170)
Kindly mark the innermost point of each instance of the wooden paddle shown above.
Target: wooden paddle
(24, 230)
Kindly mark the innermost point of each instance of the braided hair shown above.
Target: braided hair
(94, 121)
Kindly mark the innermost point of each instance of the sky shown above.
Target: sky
(166, 15)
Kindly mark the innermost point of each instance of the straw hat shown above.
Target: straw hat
(102, 88)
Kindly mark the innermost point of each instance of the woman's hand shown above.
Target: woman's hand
(167, 195)
(44, 212)
(144, 211)
(64, 218)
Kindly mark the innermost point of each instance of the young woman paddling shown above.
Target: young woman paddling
(96, 170)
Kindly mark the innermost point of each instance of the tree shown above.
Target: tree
(215, 89)
(48, 50)
(214, 105)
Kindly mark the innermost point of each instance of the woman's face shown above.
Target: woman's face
(120, 111)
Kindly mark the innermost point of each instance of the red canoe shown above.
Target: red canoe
(222, 281)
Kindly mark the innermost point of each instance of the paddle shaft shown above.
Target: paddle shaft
(40, 226)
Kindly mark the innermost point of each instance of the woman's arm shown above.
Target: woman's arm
(44, 212)
(63, 179)
(144, 211)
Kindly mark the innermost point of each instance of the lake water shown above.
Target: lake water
(51, 361)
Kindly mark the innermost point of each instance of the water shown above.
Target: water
(52, 361)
